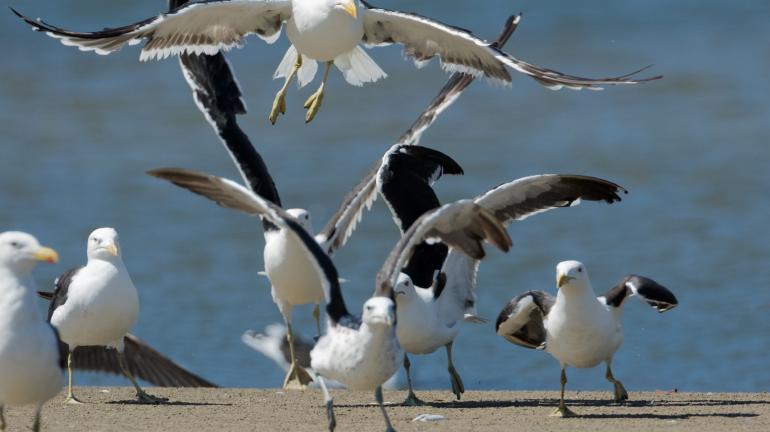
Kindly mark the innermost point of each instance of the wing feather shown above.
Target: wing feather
(459, 50)
(142, 360)
(528, 196)
(462, 225)
(205, 27)
(521, 320)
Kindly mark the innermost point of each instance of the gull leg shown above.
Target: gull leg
(297, 378)
(329, 405)
(457, 383)
(279, 103)
(378, 396)
(317, 318)
(141, 395)
(2, 418)
(71, 399)
(411, 399)
(313, 103)
(621, 395)
(562, 410)
(36, 422)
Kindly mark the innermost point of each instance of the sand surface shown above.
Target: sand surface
(112, 409)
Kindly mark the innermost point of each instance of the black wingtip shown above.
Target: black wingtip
(45, 295)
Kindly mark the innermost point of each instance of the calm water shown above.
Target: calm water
(79, 130)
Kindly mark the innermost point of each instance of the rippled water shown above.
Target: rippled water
(79, 130)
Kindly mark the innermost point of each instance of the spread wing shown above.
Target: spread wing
(232, 195)
(521, 320)
(462, 225)
(204, 27)
(528, 196)
(653, 293)
(343, 223)
(461, 51)
(143, 361)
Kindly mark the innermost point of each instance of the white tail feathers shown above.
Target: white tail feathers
(358, 68)
(306, 72)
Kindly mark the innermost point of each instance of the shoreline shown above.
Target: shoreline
(113, 409)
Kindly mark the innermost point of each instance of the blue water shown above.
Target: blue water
(79, 130)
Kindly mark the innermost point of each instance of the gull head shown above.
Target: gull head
(379, 311)
(103, 244)
(404, 289)
(571, 275)
(303, 218)
(20, 251)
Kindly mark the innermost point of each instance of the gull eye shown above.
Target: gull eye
(369, 308)
(16, 244)
(580, 269)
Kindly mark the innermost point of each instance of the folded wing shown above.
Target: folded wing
(521, 320)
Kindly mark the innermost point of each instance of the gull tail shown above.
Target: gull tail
(305, 74)
(358, 68)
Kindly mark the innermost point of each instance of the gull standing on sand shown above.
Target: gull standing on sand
(361, 353)
(97, 305)
(31, 363)
(327, 31)
(578, 328)
(430, 318)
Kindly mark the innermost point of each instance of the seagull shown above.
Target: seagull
(272, 344)
(97, 305)
(291, 271)
(326, 31)
(400, 175)
(31, 362)
(362, 353)
(578, 328)
(431, 317)
(142, 360)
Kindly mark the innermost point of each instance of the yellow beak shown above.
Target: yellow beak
(562, 279)
(350, 8)
(46, 255)
(112, 249)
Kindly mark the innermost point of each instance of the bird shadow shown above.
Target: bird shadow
(665, 416)
(532, 403)
(168, 403)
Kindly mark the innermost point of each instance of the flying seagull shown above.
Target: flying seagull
(97, 305)
(362, 353)
(31, 363)
(431, 317)
(578, 328)
(327, 31)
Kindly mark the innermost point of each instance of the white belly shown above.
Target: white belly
(293, 276)
(325, 39)
(582, 338)
(29, 366)
(356, 358)
(97, 314)
(419, 329)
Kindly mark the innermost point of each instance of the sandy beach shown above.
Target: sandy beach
(112, 409)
